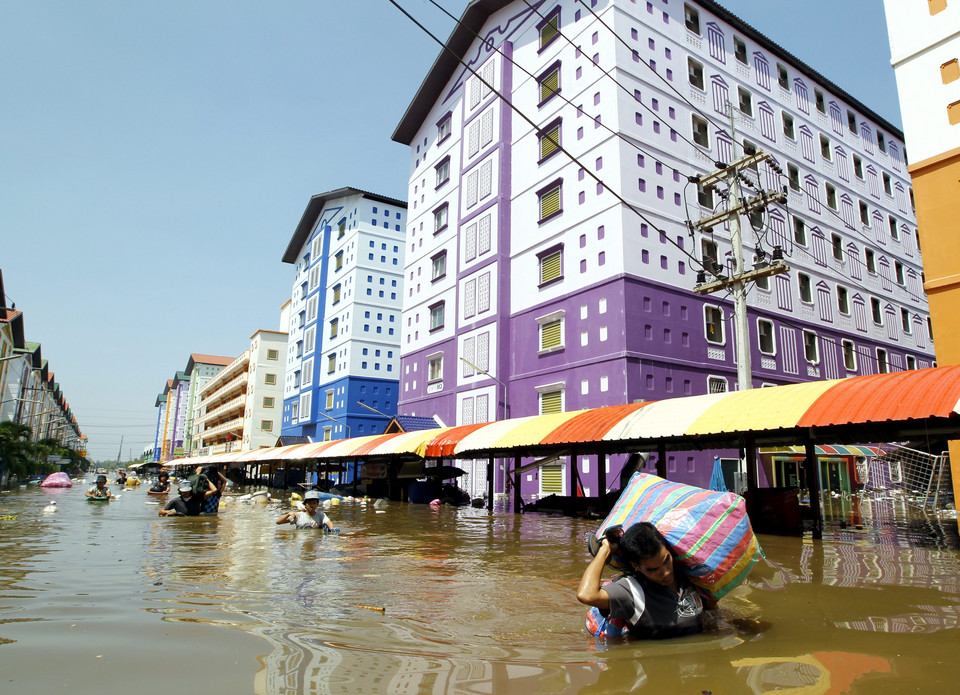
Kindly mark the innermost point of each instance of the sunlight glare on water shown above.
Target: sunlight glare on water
(415, 600)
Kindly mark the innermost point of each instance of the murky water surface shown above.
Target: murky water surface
(409, 600)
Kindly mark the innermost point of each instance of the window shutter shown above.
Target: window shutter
(486, 128)
(473, 137)
(551, 480)
(483, 293)
(470, 243)
(488, 76)
(550, 267)
(551, 402)
(475, 86)
(468, 354)
(549, 85)
(551, 334)
(472, 188)
(486, 179)
(550, 203)
(549, 142)
(483, 351)
(549, 30)
(483, 235)
(469, 298)
(466, 411)
(482, 408)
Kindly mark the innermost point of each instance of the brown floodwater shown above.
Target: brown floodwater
(406, 599)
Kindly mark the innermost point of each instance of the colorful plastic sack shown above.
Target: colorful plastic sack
(60, 479)
(708, 532)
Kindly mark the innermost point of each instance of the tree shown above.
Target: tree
(16, 451)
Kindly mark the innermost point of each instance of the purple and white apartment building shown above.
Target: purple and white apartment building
(531, 287)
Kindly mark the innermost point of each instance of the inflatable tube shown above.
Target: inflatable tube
(98, 499)
(151, 492)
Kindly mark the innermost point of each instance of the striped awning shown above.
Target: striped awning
(880, 407)
(824, 450)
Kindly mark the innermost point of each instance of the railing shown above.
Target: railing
(229, 405)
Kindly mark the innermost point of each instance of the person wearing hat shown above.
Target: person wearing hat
(163, 483)
(100, 489)
(311, 517)
(187, 503)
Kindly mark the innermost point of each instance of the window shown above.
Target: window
(881, 142)
(331, 363)
(294, 411)
(843, 300)
(440, 218)
(783, 77)
(894, 230)
(788, 129)
(882, 365)
(549, 141)
(806, 291)
(793, 174)
(551, 266)
(811, 347)
(341, 228)
(333, 327)
(268, 401)
(269, 378)
(852, 121)
(898, 272)
(750, 149)
(849, 356)
(871, 261)
(701, 135)
(864, 213)
(705, 196)
(549, 83)
(328, 404)
(266, 425)
(443, 171)
(887, 187)
(746, 101)
(273, 354)
(550, 201)
(551, 401)
(713, 325)
(307, 373)
(950, 71)
(824, 146)
(716, 384)
(551, 332)
(327, 433)
(549, 28)
(436, 316)
(831, 195)
(875, 311)
(312, 307)
(740, 49)
(444, 128)
(858, 167)
(911, 362)
(336, 294)
(837, 243)
(435, 368)
(818, 98)
(691, 19)
(905, 320)
(338, 260)
(695, 73)
(709, 253)
(765, 336)
(438, 266)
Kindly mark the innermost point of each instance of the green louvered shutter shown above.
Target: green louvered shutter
(549, 85)
(549, 30)
(551, 267)
(551, 480)
(551, 334)
(549, 142)
(551, 402)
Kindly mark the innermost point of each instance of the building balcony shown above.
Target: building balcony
(237, 403)
(235, 425)
(225, 375)
(225, 388)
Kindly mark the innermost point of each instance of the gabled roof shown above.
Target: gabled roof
(289, 439)
(309, 218)
(476, 14)
(410, 423)
(199, 358)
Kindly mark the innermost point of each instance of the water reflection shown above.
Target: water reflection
(414, 600)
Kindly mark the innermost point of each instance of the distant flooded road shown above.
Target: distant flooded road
(103, 596)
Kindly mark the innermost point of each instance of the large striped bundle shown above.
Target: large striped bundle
(708, 532)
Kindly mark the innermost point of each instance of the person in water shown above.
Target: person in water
(163, 483)
(187, 503)
(121, 477)
(205, 478)
(311, 517)
(99, 490)
(651, 600)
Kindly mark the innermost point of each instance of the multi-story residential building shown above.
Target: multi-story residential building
(925, 54)
(200, 369)
(237, 408)
(344, 315)
(552, 191)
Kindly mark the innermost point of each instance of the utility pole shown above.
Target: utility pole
(740, 279)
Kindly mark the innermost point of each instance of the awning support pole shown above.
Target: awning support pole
(662, 460)
(517, 476)
(811, 469)
(490, 484)
(750, 456)
(355, 465)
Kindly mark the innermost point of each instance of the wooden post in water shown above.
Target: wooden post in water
(490, 484)
(810, 467)
(662, 460)
(750, 456)
(601, 475)
(517, 497)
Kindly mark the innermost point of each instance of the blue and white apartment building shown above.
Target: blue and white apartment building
(344, 315)
(550, 264)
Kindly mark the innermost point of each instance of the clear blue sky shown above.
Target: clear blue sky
(156, 157)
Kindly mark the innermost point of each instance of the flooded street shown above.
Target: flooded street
(411, 600)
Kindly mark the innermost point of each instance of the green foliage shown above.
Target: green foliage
(22, 457)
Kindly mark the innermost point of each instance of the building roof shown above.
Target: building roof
(290, 439)
(199, 358)
(477, 13)
(315, 207)
(411, 423)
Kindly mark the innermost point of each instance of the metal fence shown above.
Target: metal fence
(916, 478)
